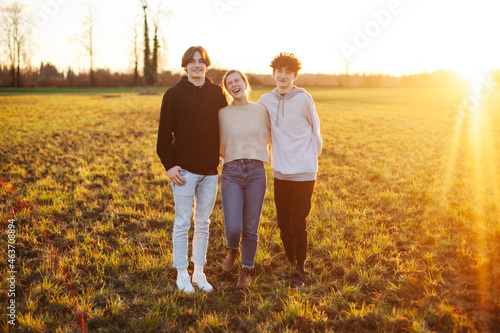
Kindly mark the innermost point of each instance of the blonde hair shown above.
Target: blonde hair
(248, 89)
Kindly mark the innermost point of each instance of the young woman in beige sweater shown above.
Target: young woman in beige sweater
(244, 137)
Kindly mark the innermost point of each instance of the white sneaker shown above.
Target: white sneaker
(200, 280)
(184, 284)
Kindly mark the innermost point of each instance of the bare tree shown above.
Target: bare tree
(135, 30)
(86, 39)
(154, 58)
(151, 59)
(16, 31)
(160, 15)
(148, 78)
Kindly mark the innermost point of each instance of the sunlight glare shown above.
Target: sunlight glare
(473, 75)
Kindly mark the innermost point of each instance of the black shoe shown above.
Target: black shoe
(297, 280)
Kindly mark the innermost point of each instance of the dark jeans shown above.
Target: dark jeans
(243, 187)
(293, 204)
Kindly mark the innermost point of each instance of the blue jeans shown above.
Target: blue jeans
(200, 190)
(243, 187)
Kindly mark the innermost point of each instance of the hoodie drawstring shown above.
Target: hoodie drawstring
(282, 99)
(278, 111)
(282, 109)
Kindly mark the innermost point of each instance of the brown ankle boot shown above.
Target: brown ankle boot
(244, 278)
(228, 264)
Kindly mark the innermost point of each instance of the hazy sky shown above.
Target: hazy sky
(377, 36)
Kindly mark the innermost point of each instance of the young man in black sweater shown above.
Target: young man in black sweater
(188, 146)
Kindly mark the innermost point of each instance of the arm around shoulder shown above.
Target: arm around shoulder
(268, 125)
(314, 121)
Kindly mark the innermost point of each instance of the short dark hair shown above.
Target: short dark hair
(286, 60)
(189, 54)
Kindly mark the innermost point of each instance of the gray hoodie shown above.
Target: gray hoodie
(296, 139)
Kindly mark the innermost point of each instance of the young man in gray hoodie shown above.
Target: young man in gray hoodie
(296, 144)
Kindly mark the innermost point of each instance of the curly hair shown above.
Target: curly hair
(286, 60)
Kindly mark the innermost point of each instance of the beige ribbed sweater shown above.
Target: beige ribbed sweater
(245, 132)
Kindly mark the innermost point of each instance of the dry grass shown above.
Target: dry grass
(404, 232)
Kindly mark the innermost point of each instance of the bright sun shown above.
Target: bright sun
(473, 74)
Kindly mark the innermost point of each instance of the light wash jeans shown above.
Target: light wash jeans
(200, 190)
(243, 187)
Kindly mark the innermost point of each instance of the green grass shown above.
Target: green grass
(404, 232)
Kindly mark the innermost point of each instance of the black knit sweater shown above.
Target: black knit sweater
(188, 133)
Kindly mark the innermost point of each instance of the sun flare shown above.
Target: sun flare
(473, 74)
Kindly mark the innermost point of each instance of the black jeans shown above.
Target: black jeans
(293, 204)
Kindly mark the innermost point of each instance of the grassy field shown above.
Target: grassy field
(7, 91)
(404, 232)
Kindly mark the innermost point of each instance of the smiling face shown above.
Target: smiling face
(284, 78)
(236, 86)
(196, 67)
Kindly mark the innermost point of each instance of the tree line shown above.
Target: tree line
(16, 27)
(48, 75)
